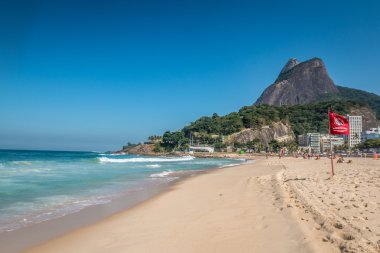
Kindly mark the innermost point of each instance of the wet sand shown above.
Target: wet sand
(34, 234)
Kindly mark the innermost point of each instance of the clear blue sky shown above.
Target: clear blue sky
(93, 75)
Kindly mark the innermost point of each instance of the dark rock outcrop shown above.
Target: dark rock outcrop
(298, 83)
(140, 149)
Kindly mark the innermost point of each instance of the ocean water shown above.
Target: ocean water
(36, 186)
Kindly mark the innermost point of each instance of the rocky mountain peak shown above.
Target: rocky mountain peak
(298, 83)
(289, 65)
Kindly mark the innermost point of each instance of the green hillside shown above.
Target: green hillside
(302, 118)
(350, 94)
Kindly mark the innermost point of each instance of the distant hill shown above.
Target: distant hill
(295, 104)
(299, 99)
(298, 83)
(301, 118)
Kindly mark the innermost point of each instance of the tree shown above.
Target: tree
(253, 145)
(220, 146)
(174, 140)
(129, 145)
(369, 144)
(231, 123)
(157, 148)
(343, 147)
(275, 145)
(260, 147)
(239, 145)
(293, 146)
(154, 138)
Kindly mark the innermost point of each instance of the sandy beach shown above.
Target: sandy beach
(346, 208)
(274, 205)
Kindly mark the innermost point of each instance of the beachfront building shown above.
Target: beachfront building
(311, 140)
(315, 142)
(302, 140)
(372, 133)
(208, 149)
(356, 128)
(335, 140)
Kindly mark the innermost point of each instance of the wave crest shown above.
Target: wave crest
(165, 173)
(154, 166)
(145, 160)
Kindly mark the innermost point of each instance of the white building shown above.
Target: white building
(193, 149)
(372, 133)
(335, 140)
(302, 140)
(356, 128)
(315, 142)
(311, 140)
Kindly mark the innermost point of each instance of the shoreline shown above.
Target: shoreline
(232, 155)
(272, 205)
(223, 210)
(38, 233)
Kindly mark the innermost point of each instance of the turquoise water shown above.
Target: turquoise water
(41, 185)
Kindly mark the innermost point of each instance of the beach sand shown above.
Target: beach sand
(346, 207)
(272, 205)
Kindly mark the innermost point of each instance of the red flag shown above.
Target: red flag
(338, 124)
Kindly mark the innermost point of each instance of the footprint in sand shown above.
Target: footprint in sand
(338, 225)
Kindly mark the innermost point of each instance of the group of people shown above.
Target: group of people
(341, 160)
(307, 156)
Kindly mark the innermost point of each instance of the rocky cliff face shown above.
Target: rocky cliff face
(138, 149)
(289, 65)
(368, 116)
(298, 83)
(278, 131)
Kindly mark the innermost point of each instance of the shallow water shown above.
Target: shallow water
(42, 185)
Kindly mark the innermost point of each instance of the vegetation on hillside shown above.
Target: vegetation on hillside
(349, 94)
(302, 118)
(210, 130)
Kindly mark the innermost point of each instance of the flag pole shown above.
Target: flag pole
(332, 162)
(331, 147)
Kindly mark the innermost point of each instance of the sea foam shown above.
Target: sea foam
(154, 166)
(145, 160)
(230, 165)
(162, 174)
(45, 185)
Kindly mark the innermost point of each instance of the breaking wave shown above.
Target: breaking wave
(145, 160)
(162, 174)
(154, 166)
(230, 165)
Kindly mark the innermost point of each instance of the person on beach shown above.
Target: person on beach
(340, 160)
